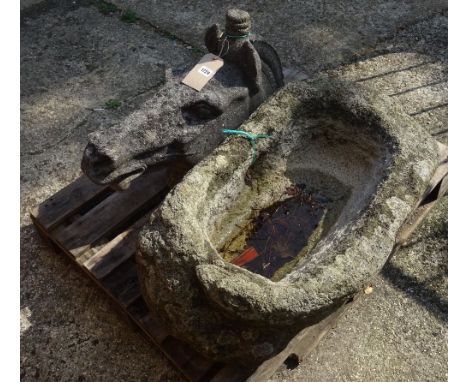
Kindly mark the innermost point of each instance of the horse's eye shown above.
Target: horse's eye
(200, 112)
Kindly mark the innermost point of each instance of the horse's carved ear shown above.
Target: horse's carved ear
(212, 39)
(249, 61)
(237, 50)
(270, 57)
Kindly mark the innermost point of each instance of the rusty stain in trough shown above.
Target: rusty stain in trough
(280, 232)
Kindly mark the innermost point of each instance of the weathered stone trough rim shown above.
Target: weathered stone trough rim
(301, 294)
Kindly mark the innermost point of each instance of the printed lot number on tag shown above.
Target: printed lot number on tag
(203, 71)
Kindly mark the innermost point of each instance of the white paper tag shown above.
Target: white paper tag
(203, 71)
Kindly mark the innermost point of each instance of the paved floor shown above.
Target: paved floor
(75, 56)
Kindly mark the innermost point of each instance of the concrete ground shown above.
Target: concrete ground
(76, 56)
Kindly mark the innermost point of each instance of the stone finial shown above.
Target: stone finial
(238, 22)
(234, 45)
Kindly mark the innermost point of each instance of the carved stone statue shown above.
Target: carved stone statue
(180, 124)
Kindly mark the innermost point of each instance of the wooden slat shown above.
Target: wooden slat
(439, 175)
(437, 188)
(130, 294)
(443, 187)
(154, 330)
(413, 222)
(66, 202)
(300, 346)
(82, 233)
(121, 279)
(137, 309)
(115, 252)
(193, 365)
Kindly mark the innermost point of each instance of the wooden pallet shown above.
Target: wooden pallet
(436, 189)
(97, 228)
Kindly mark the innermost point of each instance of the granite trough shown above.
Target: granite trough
(343, 151)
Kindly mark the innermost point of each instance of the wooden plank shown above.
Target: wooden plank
(154, 330)
(137, 309)
(121, 279)
(130, 294)
(300, 346)
(443, 151)
(66, 202)
(115, 252)
(443, 187)
(103, 218)
(437, 188)
(413, 222)
(439, 175)
(193, 365)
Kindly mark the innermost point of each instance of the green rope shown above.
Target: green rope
(250, 137)
(235, 37)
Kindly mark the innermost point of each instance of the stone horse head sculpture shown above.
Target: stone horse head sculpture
(180, 123)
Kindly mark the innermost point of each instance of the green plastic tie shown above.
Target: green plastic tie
(236, 37)
(252, 138)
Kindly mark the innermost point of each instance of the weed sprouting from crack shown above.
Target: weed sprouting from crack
(106, 8)
(128, 16)
(113, 104)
